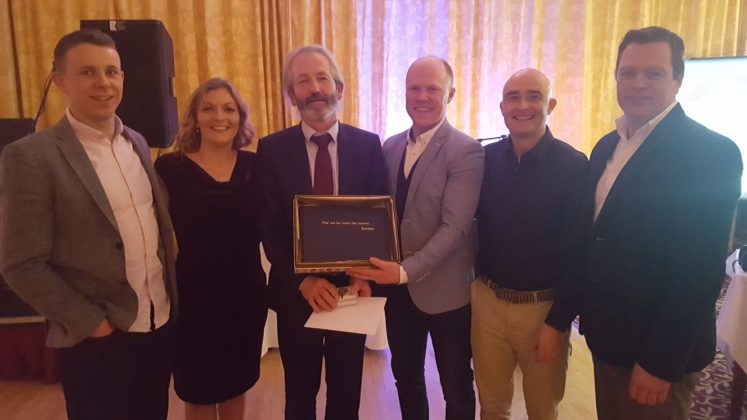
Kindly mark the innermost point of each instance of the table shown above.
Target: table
(23, 354)
(731, 329)
(377, 341)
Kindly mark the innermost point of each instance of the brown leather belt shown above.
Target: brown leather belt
(518, 296)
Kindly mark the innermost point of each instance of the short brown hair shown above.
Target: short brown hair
(81, 36)
(657, 34)
(188, 138)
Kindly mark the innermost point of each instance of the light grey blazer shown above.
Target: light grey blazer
(60, 249)
(438, 238)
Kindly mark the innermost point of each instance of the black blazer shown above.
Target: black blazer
(656, 252)
(284, 173)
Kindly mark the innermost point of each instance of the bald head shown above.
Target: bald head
(433, 62)
(526, 104)
(534, 76)
(429, 88)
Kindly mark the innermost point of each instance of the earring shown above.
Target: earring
(197, 130)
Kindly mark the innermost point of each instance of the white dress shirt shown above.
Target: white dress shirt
(625, 149)
(416, 147)
(130, 196)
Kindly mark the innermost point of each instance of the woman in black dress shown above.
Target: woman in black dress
(214, 207)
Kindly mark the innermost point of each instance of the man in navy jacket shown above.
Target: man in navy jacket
(662, 194)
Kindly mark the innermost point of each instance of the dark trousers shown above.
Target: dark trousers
(407, 330)
(302, 350)
(123, 376)
(614, 403)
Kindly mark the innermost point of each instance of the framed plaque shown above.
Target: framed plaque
(335, 233)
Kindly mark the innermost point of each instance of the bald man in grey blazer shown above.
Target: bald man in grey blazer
(85, 238)
(435, 173)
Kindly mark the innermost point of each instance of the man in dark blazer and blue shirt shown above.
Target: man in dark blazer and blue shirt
(318, 156)
(662, 194)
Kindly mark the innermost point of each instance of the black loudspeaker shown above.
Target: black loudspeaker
(12, 129)
(147, 53)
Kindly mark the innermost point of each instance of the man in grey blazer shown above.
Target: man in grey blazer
(434, 173)
(85, 239)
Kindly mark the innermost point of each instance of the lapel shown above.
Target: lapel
(76, 156)
(426, 159)
(658, 138)
(604, 153)
(394, 158)
(600, 156)
(143, 152)
(298, 157)
(346, 164)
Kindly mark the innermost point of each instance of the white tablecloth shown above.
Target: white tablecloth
(731, 326)
(377, 341)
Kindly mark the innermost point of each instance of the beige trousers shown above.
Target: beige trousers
(504, 336)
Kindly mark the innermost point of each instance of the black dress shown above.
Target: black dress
(222, 304)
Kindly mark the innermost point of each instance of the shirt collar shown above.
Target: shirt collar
(621, 124)
(332, 131)
(426, 137)
(540, 150)
(85, 132)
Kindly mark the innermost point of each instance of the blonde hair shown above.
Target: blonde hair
(187, 140)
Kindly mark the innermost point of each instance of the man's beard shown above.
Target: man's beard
(307, 107)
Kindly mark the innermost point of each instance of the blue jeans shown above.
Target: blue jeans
(407, 332)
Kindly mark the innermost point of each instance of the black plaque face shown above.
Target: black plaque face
(334, 233)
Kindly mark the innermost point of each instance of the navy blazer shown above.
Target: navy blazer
(284, 173)
(656, 251)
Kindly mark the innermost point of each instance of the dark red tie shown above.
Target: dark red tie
(323, 166)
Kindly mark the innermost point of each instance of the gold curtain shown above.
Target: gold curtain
(330, 23)
(485, 42)
(11, 105)
(242, 41)
(710, 28)
(574, 41)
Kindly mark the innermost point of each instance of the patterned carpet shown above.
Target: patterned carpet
(712, 398)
